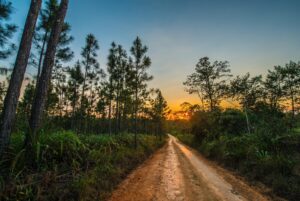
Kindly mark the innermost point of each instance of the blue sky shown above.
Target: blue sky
(253, 35)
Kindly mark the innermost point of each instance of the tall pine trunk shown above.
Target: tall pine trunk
(13, 92)
(42, 89)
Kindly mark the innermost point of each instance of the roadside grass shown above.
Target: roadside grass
(297, 130)
(274, 161)
(72, 167)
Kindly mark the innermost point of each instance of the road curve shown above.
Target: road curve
(177, 173)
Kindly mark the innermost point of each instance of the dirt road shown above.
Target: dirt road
(176, 173)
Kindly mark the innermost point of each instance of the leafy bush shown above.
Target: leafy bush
(203, 125)
(232, 122)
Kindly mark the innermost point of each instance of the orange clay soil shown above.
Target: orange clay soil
(176, 173)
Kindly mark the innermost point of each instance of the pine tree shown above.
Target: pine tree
(111, 70)
(140, 64)
(92, 76)
(13, 92)
(159, 112)
(116, 67)
(43, 86)
(74, 83)
(63, 54)
(57, 97)
(120, 85)
(42, 33)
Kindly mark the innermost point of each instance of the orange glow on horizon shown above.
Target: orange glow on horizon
(175, 105)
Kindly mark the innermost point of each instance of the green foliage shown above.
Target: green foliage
(158, 112)
(269, 154)
(59, 148)
(72, 167)
(247, 90)
(232, 122)
(204, 125)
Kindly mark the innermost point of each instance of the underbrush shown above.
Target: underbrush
(71, 167)
(273, 160)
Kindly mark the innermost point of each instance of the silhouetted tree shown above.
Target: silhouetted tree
(140, 64)
(291, 83)
(111, 70)
(74, 83)
(273, 87)
(209, 81)
(92, 76)
(159, 112)
(116, 68)
(247, 91)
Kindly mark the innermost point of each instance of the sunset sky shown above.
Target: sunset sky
(252, 35)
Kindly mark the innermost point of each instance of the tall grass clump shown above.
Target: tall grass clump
(70, 166)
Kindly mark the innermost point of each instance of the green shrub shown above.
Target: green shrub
(232, 122)
(59, 148)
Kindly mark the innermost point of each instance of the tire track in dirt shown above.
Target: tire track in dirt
(177, 173)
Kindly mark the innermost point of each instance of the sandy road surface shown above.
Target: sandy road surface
(176, 173)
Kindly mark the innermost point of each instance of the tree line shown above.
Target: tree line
(85, 97)
(214, 83)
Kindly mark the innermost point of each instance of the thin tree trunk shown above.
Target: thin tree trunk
(117, 113)
(247, 120)
(120, 118)
(83, 88)
(109, 117)
(74, 108)
(13, 92)
(211, 104)
(125, 125)
(42, 89)
(135, 117)
(293, 109)
(41, 59)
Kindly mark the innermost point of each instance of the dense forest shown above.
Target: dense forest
(53, 113)
(73, 129)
